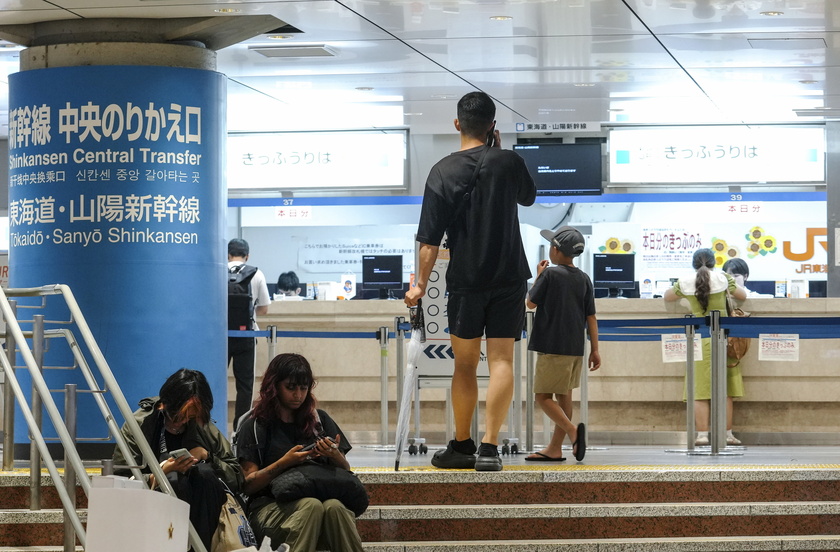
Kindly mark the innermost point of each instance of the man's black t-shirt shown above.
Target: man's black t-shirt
(564, 298)
(485, 242)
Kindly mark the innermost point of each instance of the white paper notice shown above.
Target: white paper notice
(778, 347)
(674, 348)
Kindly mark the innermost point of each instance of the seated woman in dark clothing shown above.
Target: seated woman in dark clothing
(180, 418)
(287, 419)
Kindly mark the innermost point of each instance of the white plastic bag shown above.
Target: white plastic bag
(265, 546)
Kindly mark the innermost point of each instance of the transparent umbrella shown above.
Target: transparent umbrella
(415, 346)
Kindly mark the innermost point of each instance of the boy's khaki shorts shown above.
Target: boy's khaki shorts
(557, 374)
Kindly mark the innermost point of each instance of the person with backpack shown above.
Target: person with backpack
(293, 457)
(193, 453)
(247, 296)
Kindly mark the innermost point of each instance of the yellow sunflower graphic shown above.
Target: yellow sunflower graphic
(759, 242)
(612, 245)
(732, 252)
(768, 244)
(626, 246)
(755, 233)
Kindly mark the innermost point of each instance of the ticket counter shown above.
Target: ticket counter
(635, 398)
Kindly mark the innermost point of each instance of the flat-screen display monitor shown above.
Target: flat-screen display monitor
(614, 271)
(382, 272)
(563, 169)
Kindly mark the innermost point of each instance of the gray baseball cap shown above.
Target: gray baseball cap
(567, 239)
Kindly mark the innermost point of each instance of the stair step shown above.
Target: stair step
(602, 486)
(555, 511)
(47, 515)
(547, 521)
(705, 544)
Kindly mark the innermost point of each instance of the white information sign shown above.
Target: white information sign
(718, 154)
(337, 160)
(674, 348)
(437, 358)
(559, 126)
(778, 347)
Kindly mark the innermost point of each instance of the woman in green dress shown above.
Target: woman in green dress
(706, 291)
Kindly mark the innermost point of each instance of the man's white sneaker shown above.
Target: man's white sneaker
(701, 441)
(732, 440)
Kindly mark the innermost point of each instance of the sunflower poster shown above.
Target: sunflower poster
(773, 251)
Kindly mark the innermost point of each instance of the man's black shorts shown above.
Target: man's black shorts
(493, 313)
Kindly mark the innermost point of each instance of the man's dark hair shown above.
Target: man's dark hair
(237, 247)
(288, 281)
(737, 265)
(187, 388)
(476, 112)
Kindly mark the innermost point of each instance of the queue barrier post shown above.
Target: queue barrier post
(529, 386)
(689, 387)
(382, 336)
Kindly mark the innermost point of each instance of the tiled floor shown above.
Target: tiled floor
(598, 457)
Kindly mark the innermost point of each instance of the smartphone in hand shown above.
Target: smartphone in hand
(491, 136)
(180, 453)
(311, 446)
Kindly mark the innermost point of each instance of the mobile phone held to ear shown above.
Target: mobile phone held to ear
(491, 136)
(180, 453)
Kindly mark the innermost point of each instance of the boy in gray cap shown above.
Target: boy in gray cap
(565, 303)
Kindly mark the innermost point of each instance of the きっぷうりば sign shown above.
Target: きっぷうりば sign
(718, 154)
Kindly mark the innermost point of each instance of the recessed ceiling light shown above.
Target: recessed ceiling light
(772, 13)
(442, 96)
(279, 37)
(808, 81)
(500, 18)
(227, 10)
(364, 88)
(584, 84)
(412, 114)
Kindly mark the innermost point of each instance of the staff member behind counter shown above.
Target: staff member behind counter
(288, 287)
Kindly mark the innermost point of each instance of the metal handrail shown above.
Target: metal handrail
(110, 384)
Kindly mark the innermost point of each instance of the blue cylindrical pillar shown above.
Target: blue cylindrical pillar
(117, 190)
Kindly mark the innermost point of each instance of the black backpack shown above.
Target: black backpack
(240, 300)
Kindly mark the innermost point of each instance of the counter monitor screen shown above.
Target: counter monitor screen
(382, 272)
(563, 169)
(614, 271)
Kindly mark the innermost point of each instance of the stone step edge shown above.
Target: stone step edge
(567, 474)
(550, 511)
(701, 544)
(603, 475)
(704, 544)
(554, 511)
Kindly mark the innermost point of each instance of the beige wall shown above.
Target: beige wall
(634, 395)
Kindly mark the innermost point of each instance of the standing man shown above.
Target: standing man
(487, 274)
(247, 296)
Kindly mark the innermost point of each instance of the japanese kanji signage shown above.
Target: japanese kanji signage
(116, 189)
(778, 347)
